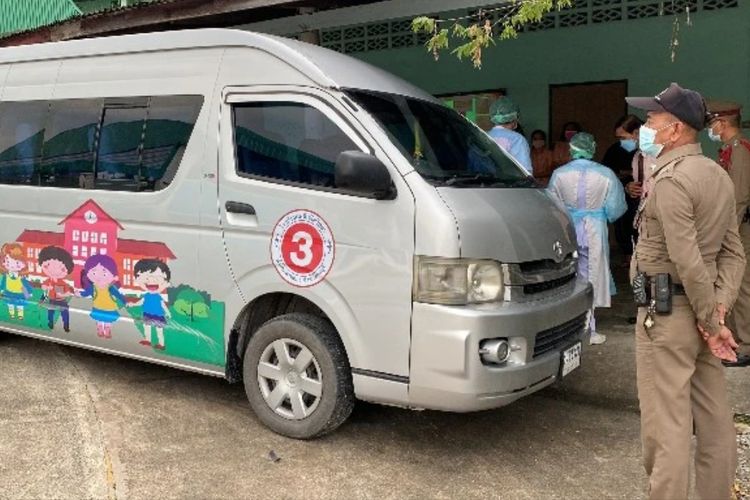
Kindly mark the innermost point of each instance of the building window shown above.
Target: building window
(94, 237)
(126, 264)
(84, 251)
(37, 252)
(38, 268)
(126, 280)
(76, 235)
(75, 250)
(85, 236)
(30, 253)
(93, 251)
(102, 251)
(103, 238)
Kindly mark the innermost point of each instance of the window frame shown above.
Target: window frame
(234, 101)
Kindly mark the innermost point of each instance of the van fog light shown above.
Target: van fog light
(494, 351)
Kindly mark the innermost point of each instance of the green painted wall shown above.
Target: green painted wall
(714, 58)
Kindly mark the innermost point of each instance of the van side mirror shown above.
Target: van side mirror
(363, 174)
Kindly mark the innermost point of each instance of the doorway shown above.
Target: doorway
(595, 105)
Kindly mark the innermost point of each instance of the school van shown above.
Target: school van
(267, 211)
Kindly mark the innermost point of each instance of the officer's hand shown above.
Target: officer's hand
(722, 345)
(634, 189)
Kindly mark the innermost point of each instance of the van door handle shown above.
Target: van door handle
(236, 207)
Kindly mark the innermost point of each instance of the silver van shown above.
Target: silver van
(267, 211)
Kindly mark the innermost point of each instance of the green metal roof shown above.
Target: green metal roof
(22, 15)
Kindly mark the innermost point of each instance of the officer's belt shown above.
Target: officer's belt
(677, 289)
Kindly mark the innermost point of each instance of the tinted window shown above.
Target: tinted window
(168, 128)
(118, 158)
(21, 138)
(442, 146)
(133, 144)
(69, 140)
(288, 141)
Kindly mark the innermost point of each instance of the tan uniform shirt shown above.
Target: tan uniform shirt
(688, 228)
(738, 166)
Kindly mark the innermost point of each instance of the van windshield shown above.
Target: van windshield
(443, 147)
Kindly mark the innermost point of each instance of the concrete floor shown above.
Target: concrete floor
(76, 424)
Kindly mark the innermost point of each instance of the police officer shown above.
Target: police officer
(688, 234)
(504, 114)
(724, 127)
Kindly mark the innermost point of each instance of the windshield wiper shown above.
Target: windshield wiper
(471, 180)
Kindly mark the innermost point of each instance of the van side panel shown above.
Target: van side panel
(30, 80)
(367, 289)
(124, 230)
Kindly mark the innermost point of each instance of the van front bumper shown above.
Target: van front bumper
(447, 372)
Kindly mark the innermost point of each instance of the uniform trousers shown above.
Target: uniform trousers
(739, 320)
(681, 388)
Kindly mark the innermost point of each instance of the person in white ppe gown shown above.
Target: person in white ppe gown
(593, 196)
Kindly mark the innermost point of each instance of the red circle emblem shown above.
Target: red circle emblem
(302, 248)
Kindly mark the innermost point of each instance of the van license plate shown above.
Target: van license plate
(571, 359)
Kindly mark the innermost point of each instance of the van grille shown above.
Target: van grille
(547, 285)
(546, 265)
(559, 336)
(538, 279)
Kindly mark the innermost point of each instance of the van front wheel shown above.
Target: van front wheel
(297, 376)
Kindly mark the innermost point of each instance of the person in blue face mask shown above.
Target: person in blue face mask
(619, 157)
(593, 196)
(689, 263)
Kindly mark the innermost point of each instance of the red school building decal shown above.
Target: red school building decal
(88, 231)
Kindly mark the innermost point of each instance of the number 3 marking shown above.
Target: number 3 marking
(304, 256)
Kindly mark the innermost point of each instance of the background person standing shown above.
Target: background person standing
(504, 114)
(561, 151)
(688, 231)
(541, 157)
(734, 156)
(593, 196)
(619, 157)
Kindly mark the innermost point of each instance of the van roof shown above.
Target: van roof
(325, 67)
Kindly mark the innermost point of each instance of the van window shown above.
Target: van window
(118, 157)
(288, 141)
(168, 128)
(69, 141)
(21, 137)
(130, 143)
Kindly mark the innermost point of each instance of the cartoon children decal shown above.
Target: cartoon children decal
(56, 264)
(14, 287)
(152, 276)
(98, 279)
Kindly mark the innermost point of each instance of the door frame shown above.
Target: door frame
(553, 86)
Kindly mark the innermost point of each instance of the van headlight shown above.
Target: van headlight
(457, 281)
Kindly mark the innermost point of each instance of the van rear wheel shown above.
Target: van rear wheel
(297, 377)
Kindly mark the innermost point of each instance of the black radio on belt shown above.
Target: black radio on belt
(655, 292)
(662, 293)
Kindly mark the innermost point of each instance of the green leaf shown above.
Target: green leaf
(478, 35)
(423, 24)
